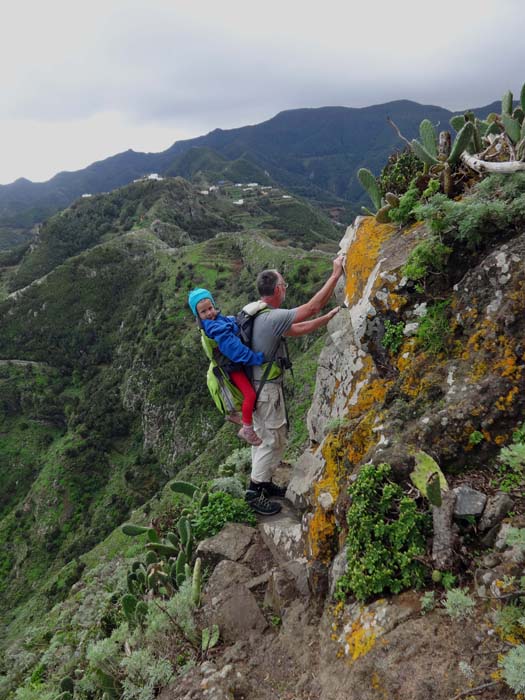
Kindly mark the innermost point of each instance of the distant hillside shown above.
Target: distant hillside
(174, 211)
(313, 152)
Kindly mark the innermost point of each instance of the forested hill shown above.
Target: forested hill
(174, 211)
(313, 152)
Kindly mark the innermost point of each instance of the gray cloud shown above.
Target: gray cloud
(205, 65)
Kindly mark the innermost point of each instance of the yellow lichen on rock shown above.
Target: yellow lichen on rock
(362, 256)
(371, 395)
(359, 641)
(362, 438)
(416, 378)
(321, 526)
(357, 629)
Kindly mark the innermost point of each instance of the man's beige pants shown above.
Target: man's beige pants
(269, 422)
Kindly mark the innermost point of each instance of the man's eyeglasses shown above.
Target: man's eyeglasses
(283, 284)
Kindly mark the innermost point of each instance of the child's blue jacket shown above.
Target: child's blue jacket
(225, 332)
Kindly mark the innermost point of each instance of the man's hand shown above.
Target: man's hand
(308, 326)
(320, 299)
(339, 264)
(332, 313)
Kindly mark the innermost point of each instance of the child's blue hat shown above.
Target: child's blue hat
(197, 295)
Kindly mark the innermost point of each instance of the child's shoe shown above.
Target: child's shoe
(248, 433)
(234, 417)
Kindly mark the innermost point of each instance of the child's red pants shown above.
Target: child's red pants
(244, 385)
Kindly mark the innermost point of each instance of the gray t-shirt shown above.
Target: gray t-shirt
(268, 329)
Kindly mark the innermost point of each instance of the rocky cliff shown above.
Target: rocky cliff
(457, 397)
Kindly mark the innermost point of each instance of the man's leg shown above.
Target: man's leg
(269, 421)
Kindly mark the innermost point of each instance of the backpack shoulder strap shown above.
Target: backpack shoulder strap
(255, 307)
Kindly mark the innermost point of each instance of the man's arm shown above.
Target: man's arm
(316, 303)
(305, 327)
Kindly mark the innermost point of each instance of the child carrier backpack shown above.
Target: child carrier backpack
(226, 396)
(223, 391)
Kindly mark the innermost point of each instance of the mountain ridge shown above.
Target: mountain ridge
(314, 151)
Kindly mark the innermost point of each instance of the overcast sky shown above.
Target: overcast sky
(84, 80)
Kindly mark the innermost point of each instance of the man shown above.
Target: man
(269, 418)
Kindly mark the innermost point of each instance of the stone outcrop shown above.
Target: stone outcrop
(371, 405)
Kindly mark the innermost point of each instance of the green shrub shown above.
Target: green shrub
(431, 255)
(238, 462)
(510, 620)
(427, 602)
(475, 437)
(221, 509)
(179, 607)
(404, 213)
(448, 580)
(144, 675)
(399, 172)
(434, 328)
(518, 436)
(495, 205)
(459, 604)
(228, 484)
(513, 668)
(393, 337)
(386, 533)
(515, 537)
(511, 467)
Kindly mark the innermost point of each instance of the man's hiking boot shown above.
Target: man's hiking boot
(271, 490)
(260, 504)
(248, 433)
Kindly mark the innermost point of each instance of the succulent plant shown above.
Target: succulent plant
(67, 684)
(183, 487)
(134, 530)
(196, 582)
(368, 181)
(129, 603)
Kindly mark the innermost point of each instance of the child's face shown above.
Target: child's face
(206, 310)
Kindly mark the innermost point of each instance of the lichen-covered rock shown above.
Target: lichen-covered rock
(388, 650)
(459, 403)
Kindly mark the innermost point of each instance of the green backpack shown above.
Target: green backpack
(223, 391)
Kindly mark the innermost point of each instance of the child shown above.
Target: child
(224, 330)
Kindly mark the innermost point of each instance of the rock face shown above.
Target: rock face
(372, 405)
